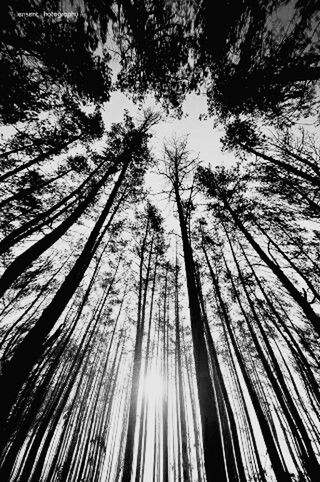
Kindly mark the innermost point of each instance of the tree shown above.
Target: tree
(58, 53)
(215, 189)
(149, 248)
(231, 212)
(33, 344)
(214, 437)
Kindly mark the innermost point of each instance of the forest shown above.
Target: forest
(159, 312)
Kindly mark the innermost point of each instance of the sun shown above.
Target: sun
(153, 387)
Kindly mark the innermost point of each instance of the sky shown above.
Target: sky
(203, 141)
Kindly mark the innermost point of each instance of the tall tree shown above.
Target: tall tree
(151, 231)
(179, 166)
(32, 346)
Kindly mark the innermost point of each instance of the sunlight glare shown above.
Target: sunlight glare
(153, 385)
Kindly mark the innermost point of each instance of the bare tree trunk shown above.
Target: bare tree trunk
(275, 457)
(211, 434)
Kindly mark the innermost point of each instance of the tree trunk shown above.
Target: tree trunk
(275, 457)
(212, 438)
(137, 361)
(292, 290)
(26, 355)
(24, 260)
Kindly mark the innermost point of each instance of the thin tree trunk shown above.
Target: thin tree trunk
(26, 355)
(275, 458)
(292, 290)
(211, 434)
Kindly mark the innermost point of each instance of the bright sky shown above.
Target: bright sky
(204, 140)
